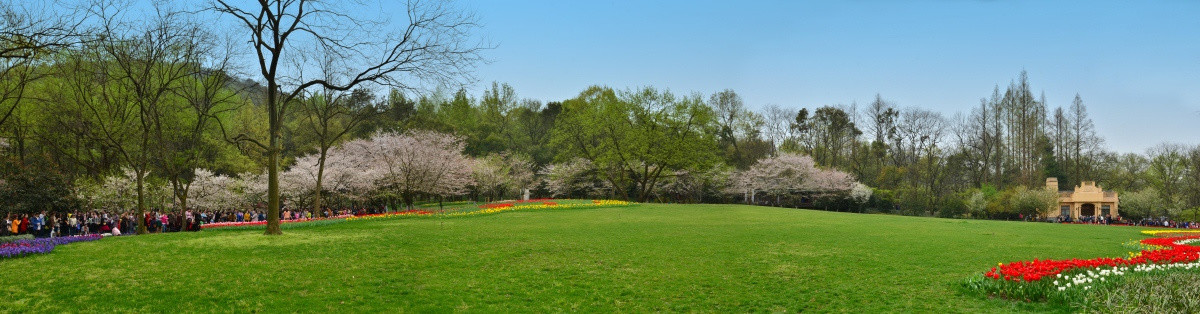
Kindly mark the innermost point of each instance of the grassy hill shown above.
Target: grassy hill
(708, 258)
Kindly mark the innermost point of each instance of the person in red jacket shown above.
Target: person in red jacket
(24, 223)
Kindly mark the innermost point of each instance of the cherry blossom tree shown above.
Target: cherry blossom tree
(490, 175)
(213, 191)
(109, 193)
(118, 192)
(790, 173)
(521, 172)
(418, 163)
(252, 187)
(346, 172)
(861, 193)
(573, 177)
(351, 171)
(497, 174)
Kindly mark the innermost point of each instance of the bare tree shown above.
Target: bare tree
(328, 116)
(1025, 118)
(980, 142)
(1083, 143)
(29, 33)
(882, 115)
(739, 127)
(777, 126)
(433, 46)
(1058, 127)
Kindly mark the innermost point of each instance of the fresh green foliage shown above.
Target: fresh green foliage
(637, 138)
(644, 258)
(1031, 202)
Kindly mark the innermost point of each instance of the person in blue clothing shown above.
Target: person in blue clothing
(35, 224)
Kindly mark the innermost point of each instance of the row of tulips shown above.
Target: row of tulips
(489, 208)
(406, 213)
(25, 247)
(1074, 281)
(543, 205)
(1035, 270)
(264, 222)
(507, 204)
(1085, 280)
(1169, 231)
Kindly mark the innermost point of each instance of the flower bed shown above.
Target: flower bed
(1037, 269)
(25, 247)
(1169, 231)
(1063, 280)
(264, 222)
(489, 208)
(406, 213)
(544, 205)
(496, 205)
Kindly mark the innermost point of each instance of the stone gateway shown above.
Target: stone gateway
(1086, 202)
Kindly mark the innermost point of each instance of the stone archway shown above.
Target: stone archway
(1087, 210)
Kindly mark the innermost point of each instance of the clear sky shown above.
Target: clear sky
(1135, 63)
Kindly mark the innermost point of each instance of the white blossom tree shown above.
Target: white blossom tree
(116, 193)
(418, 163)
(211, 191)
(346, 172)
(252, 188)
(497, 174)
(861, 193)
(790, 173)
(573, 177)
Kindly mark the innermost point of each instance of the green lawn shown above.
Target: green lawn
(707, 258)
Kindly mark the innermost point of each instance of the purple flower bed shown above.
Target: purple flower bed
(39, 246)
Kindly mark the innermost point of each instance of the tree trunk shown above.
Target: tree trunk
(320, 178)
(141, 206)
(273, 179)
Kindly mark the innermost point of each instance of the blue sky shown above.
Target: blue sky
(1135, 63)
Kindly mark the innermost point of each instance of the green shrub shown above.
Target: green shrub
(14, 238)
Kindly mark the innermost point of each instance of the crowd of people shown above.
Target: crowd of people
(1167, 223)
(1109, 220)
(1095, 220)
(43, 225)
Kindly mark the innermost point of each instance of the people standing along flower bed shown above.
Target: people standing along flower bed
(25, 247)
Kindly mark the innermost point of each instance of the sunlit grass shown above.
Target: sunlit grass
(722, 258)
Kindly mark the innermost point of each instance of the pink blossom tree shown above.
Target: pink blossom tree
(573, 177)
(790, 173)
(346, 172)
(418, 163)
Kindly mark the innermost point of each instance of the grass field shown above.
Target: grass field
(707, 258)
